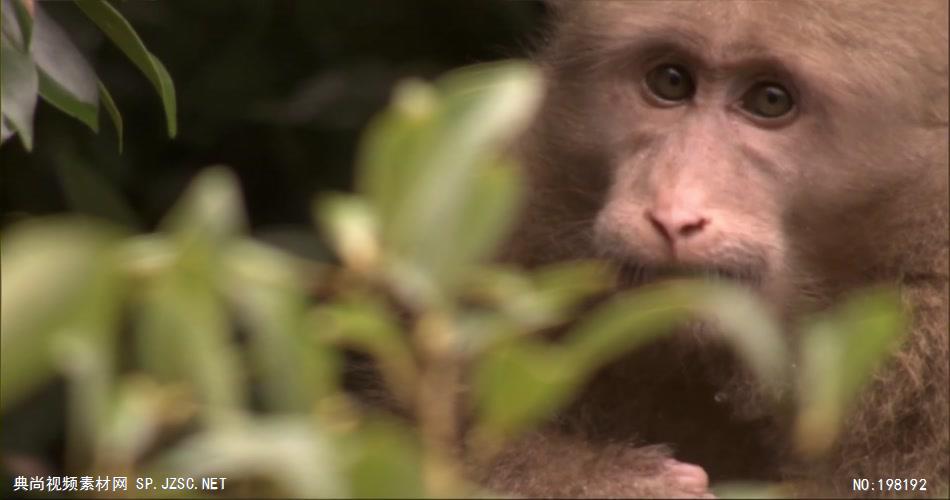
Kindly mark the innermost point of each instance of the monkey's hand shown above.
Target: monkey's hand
(555, 465)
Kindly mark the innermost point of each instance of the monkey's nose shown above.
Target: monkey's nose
(676, 224)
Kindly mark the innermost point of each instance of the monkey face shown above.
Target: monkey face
(741, 143)
(701, 142)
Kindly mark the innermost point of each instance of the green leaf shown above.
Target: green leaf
(518, 303)
(65, 78)
(431, 165)
(211, 208)
(383, 460)
(17, 24)
(840, 351)
(351, 225)
(750, 490)
(470, 234)
(55, 277)
(267, 288)
(185, 331)
(636, 317)
(566, 283)
(289, 451)
(482, 107)
(18, 91)
(625, 322)
(752, 332)
(5, 130)
(517, 386)
(388, 160)
(106, 99)
(549, 294)
(66, 102)
(140, 411)
(367, 325)
(25, 19)
(111, 22)
(185, 336)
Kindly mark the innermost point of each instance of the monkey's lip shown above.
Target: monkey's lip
(636, 274)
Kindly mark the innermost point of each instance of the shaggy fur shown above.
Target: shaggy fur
(853, 191)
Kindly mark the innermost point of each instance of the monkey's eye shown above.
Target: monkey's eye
(670, 83)
(767, 100)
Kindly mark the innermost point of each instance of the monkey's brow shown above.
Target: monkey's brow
(696, 46)
(737, 53)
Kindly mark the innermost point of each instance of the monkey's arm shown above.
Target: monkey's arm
(552, 464)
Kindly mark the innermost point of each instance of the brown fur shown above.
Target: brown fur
(853, 191)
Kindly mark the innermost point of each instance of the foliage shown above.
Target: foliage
(199, 330)
(39, 60)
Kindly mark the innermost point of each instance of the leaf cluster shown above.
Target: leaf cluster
(39, 60)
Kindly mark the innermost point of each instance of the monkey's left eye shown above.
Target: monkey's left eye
(768, 100)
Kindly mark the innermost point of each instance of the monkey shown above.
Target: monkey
(798, 148)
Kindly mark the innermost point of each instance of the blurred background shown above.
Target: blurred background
(279, 90)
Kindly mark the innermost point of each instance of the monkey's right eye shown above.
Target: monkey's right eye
(670, 82)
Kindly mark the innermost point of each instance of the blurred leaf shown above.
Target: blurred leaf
(628, 320)
(429, 165)
(211, 209)
(18, 91)
(635, 317)
(25, 11)
(520, 303)
(840, 351)
(141, 411)
(481, 108)
(105, 98)
(86, 350)
(565, 284)
(351, 226)
(65, 78)
(545, 296)
(89, 368)
(746, 324)
(518, 385)
(750, 490)
(484, 216)
(268, 289)
(383, 461)
(392, 144)
(55, 274)
(290, 451)
(185, 332)
(523, 382)
(184, 336)
(143, 257)
(17, 23)
(5, 131)
(111, 22)
(364, 324)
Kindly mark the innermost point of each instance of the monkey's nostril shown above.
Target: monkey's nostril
(658, 225)
(690, 228)
(674, 225)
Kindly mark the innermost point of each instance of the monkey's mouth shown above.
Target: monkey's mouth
(631, 274)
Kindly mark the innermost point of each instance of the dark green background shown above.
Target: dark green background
(277, 89)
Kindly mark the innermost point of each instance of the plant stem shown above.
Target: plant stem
(436, 405)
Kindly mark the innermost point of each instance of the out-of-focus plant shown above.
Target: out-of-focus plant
(145, 327)
(39, 60)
